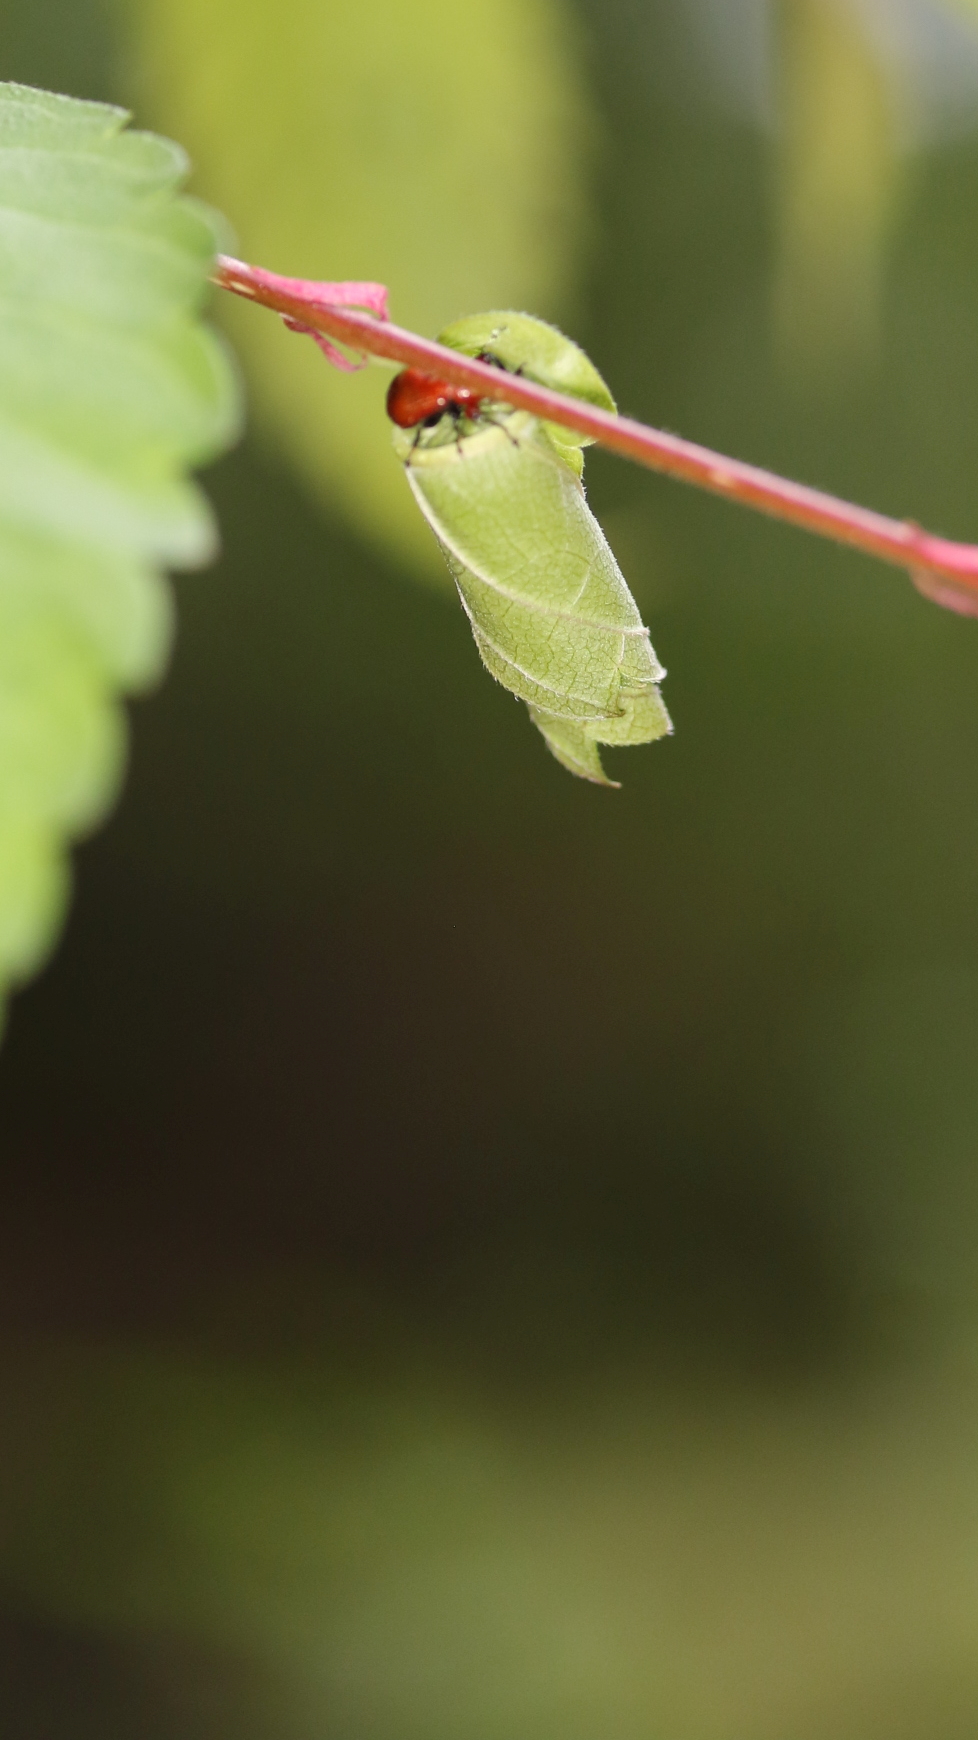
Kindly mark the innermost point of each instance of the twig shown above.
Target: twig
(946, 572)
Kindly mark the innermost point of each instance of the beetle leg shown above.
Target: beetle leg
(489, 418)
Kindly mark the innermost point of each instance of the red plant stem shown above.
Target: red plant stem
(931, 560)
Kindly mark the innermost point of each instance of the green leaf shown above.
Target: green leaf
(437, 149)
(550, 610)
(109, 388)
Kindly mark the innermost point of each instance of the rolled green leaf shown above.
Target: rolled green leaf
(550, 610)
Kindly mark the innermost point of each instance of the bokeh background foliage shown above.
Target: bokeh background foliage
(480, 1254)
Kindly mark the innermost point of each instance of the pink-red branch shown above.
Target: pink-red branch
(947, 572)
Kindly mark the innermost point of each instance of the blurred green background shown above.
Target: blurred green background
(482, 1255)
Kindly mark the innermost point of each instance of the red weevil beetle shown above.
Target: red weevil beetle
(414, 397)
